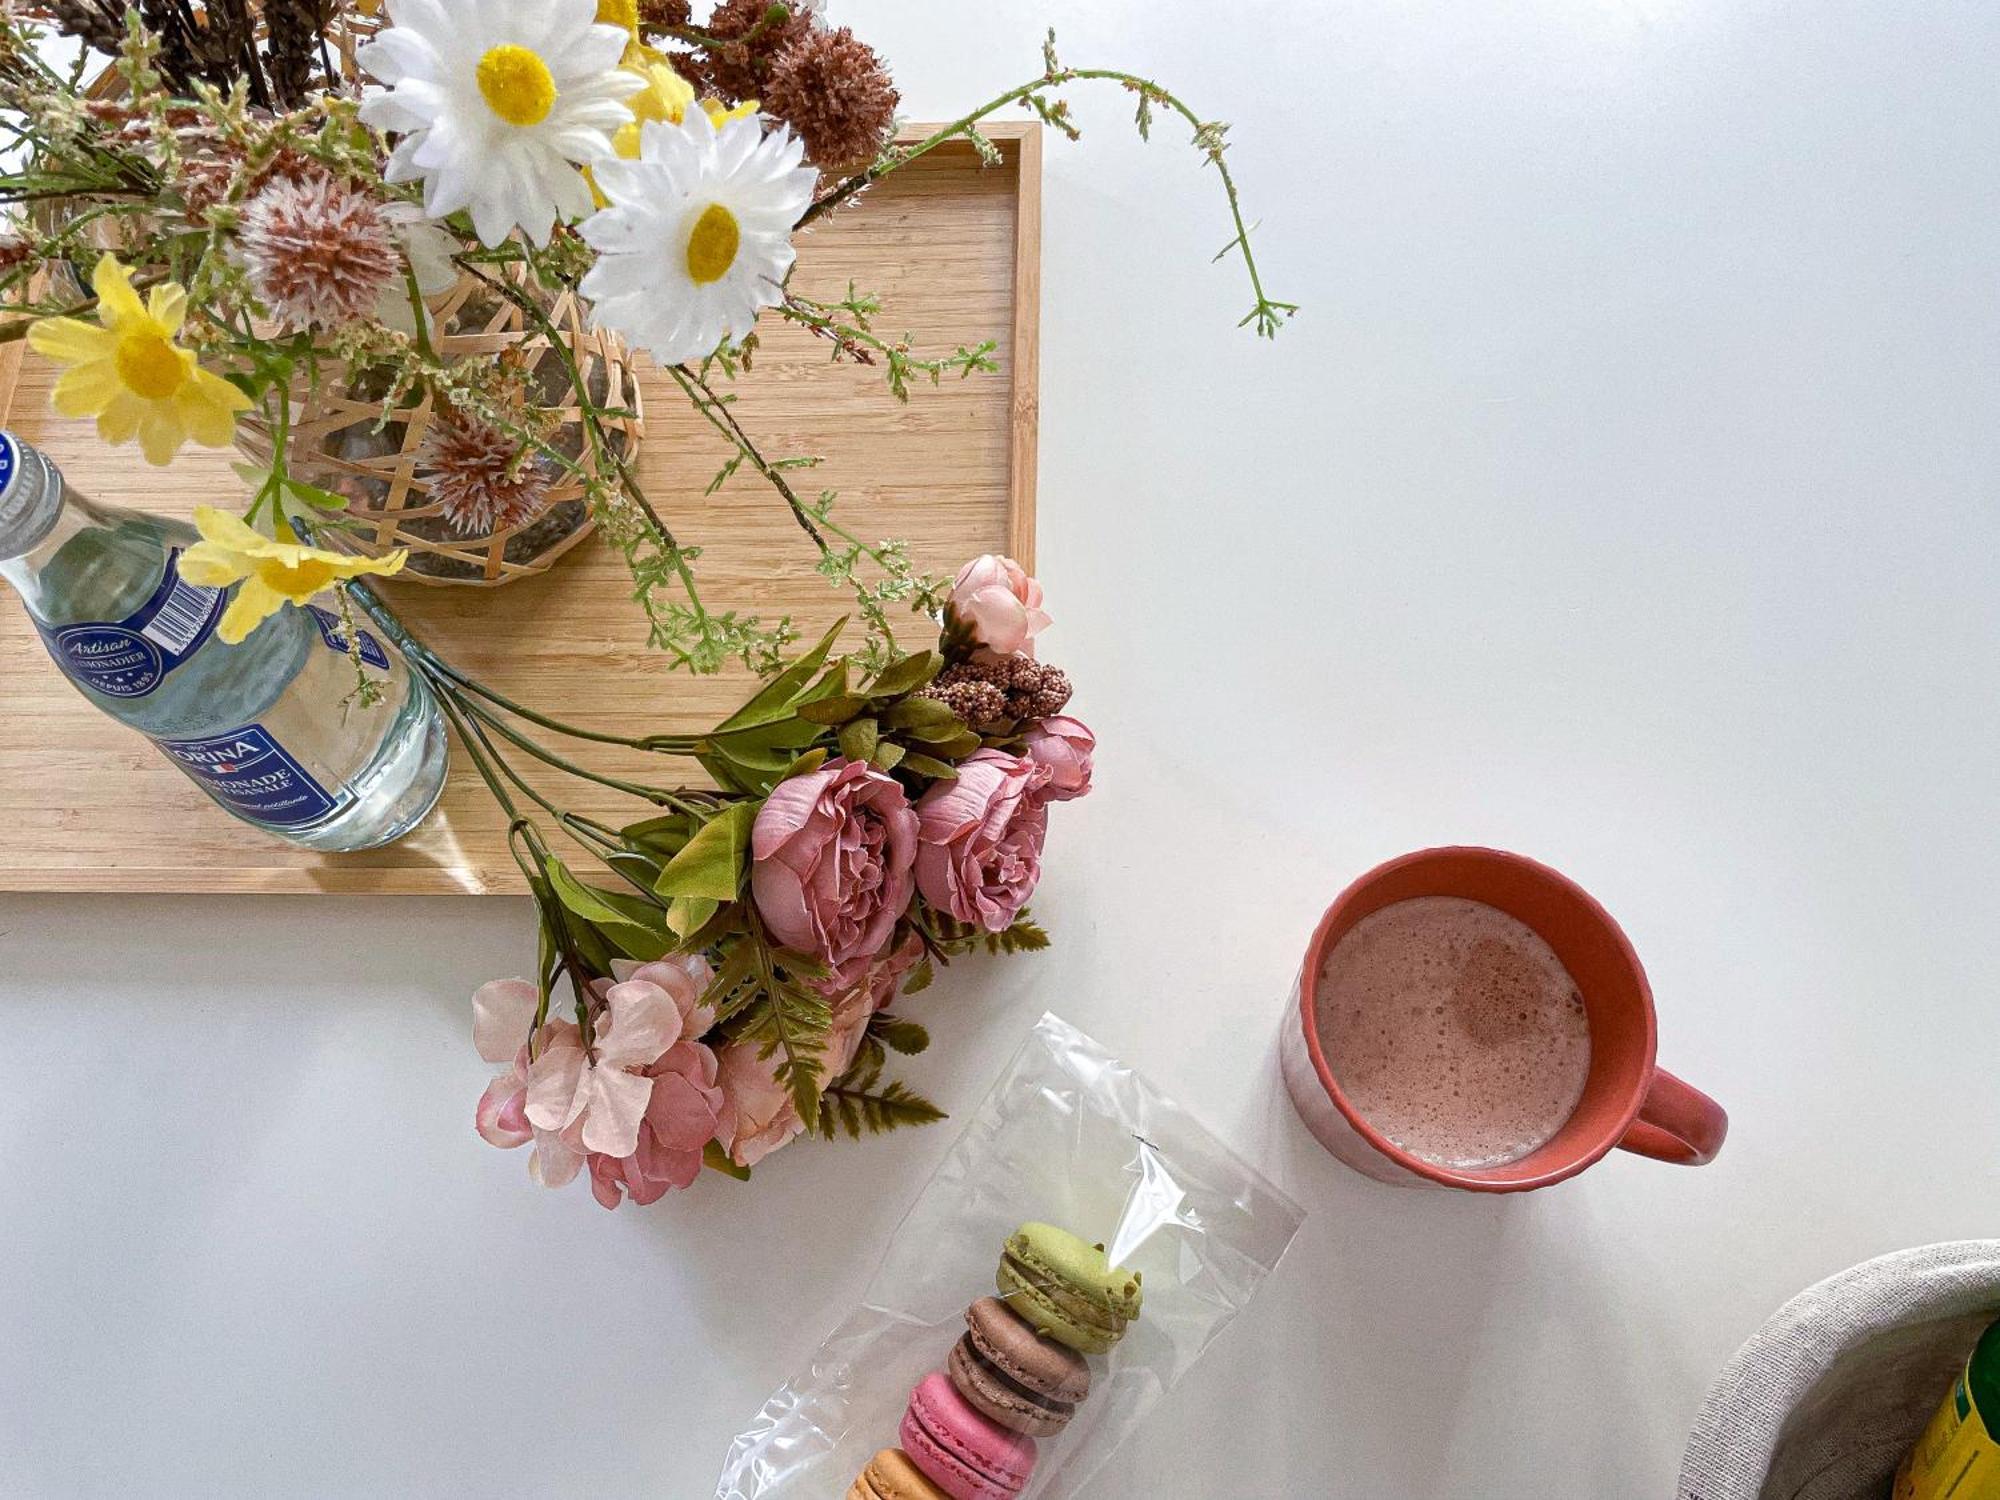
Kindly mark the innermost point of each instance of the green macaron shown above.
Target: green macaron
(1066, 1289)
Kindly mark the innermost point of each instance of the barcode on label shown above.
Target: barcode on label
(181, 617)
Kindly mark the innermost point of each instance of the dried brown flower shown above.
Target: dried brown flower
(318, 251)
(474, 477)
(833, 89)
(15, 250)
(98, 22)
(661, 15)
(991, 693)
(751, 34)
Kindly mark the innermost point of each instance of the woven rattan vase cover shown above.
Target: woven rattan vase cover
(1826, 1398)
(341, 442)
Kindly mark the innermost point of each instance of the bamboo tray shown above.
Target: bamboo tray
(953, 249)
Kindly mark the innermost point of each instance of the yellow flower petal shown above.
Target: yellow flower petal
(119, 422)
(168, 307)
(85, 390)
(161, 433)
(213, 565)
(116, 301)
(69, 341)
(386, 566)
(229, 533)
(254, 603)
(207, 406)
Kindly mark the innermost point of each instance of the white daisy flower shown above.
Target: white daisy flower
(698, 235)
(498, 102)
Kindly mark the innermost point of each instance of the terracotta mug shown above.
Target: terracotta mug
(1627, 1101)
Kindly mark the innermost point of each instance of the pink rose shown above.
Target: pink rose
(680, 1119)
(1063, 746)
(758, 1115)
(831, 854)
(995, 599)
(854, 1002)
(979, 851)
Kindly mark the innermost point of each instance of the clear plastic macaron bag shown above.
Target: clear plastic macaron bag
(1068, 1136)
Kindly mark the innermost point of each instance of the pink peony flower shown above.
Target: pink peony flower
(858, 999)
(994, 598)
(1063, 746)
(979, 852)
(681, 1118)
(831, 856)
(758, 1115)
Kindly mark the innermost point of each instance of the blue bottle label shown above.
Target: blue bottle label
(10, 462)
(333, 630)
(251, 774)
(130, 658)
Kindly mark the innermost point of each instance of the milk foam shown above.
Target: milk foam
(1454, 1030)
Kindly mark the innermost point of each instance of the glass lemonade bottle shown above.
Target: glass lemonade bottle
(271, 727)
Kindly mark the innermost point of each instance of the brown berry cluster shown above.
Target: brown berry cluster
(825, 82)
(1000, 691)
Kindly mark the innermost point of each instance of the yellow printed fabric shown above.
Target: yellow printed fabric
(1955, 1459)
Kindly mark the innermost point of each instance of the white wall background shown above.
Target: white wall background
(1625, 495)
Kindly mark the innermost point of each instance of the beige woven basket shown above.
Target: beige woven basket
(343, 440)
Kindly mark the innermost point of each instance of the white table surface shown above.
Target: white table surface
(1624, 495)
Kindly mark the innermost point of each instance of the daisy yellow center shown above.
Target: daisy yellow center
(149, 366)
(517, 84)
(620, 13)
(712, 246)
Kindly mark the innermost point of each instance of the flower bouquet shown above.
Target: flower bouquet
(222, 210)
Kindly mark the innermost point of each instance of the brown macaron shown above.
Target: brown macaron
(1007, 1371)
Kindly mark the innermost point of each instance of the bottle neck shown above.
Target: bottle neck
(31, 499)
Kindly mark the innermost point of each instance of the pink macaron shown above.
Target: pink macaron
(966, 1454)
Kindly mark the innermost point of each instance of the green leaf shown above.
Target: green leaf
(888, 755)
(586, 901)
(906, 1037)
(921, 713)
(925, 765)
(665, 836)
(713, 862)
(717, 1160)
(806, 764)
(920, 977)
(831, 711)
(858, 1111)
(774, 701)
(906, 674)
(958, 746)
(687, 915)
(644, 868)
(858, 739)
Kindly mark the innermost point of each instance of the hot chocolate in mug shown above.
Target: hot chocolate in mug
(1625, 1099)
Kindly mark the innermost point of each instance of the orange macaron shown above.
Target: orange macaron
(891, 1476)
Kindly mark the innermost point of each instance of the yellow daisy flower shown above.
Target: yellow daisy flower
(274, 574)
(130, 374)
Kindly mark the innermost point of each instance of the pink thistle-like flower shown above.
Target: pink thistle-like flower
(317, 251)
(474, 477)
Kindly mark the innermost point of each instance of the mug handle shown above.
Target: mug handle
(1677, 1123)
